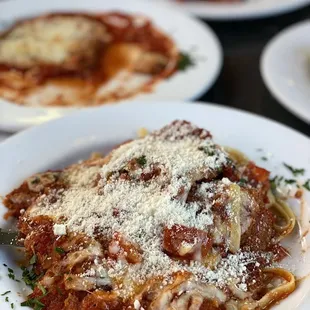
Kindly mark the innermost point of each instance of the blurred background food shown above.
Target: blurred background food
(148, 50)
(58, 56)
(236, 9)
(82, 59)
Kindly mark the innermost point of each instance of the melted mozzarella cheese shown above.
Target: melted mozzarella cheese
(55, 40)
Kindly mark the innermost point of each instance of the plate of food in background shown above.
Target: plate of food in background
(192, 211)
(285, 68)
(237, 9)
(59, 56)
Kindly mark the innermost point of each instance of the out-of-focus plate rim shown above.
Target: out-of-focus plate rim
(238, 11)
(301, 109)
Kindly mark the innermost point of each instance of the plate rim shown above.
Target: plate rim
(264, 70)
(23, 120)
(220, 13)
(206, 104)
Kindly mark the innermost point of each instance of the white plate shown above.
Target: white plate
(3, 136)
(246, 9)
(63, 141)
(285, 68)
(189, 34)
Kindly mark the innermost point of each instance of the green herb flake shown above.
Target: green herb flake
(34, 303)
(295, 171)
(185, 61)
(290, 181)
(59, 250)
(36, 180)
(306, 185)
(141, 160)
(33, 259)
(26, 303)
(273, 186)
(29, 277)
(7, 299)
(12, 306)
(273, 183)
(11, 273)
(69, 279)
(5, 293)
(210, 151)
(242, 181)
(264, 158)
(273, 179)
(43, 289)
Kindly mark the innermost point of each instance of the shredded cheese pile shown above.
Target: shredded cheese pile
(183, 155)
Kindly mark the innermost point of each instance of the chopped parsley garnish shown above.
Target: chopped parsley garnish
(274, 182)
(273, 179)
(242, 181)
(306, 185)
(295, 171)
(42, 288)
(33, 259)
(12, 306)
(5, 293)
(36, 180)
(141, 160)
(35, 303)
(210, 151)
(277, 180)
(264, 158)
(7, 299)
(290, 181)
(69, 279)
(11, 273)
(185, 61)
(59, 250)
(30, 277)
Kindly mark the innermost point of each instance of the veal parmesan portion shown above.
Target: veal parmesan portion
(79, 59)
(168, 221)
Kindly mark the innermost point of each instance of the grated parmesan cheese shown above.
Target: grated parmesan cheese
(137, 304)
(145, 207)
(59, 229)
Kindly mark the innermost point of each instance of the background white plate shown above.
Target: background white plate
(189, 34)
(247, 9)
(285, 68)
(63, 141)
